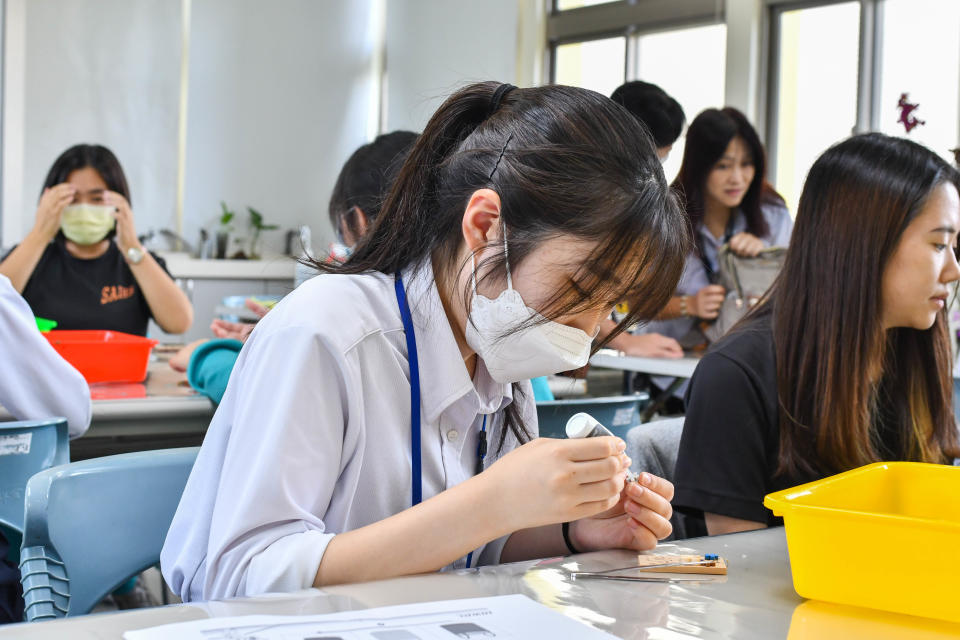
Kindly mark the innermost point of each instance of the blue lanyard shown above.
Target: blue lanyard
(712, 275)
(416, 474)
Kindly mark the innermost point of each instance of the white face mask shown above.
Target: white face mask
(513, 355)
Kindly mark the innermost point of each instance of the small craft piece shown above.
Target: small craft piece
(907, 119)
(710, 564)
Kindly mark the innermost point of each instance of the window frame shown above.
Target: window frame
(868, 73)
(634, 18)
(629, 19)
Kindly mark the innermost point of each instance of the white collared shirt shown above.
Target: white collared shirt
(35, 382)
(312, 437)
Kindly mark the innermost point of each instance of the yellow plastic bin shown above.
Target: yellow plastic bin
(884, 536)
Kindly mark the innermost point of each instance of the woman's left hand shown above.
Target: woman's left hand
(638, 521)
(126, 231)
(746, 245)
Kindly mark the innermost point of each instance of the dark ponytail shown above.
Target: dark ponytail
(564, 161)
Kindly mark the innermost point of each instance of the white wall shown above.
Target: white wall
(97, 71)
(279, 96)
(437, 46)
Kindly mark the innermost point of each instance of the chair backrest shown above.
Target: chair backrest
(27, 447)
(653, 446)
(91, 525)
(617, 413)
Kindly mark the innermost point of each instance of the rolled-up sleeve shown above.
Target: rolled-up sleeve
(288, 410)
(35, 382)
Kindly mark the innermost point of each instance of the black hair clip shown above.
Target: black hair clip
(500, 157)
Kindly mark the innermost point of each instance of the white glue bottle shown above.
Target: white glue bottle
(584, 425)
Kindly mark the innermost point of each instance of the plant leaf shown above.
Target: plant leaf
(227, 215)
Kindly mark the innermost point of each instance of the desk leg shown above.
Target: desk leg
(661, 400)
(628, 378)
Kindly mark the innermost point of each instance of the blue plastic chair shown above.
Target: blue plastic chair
(26, 447)
(91, 525)
(617, 413)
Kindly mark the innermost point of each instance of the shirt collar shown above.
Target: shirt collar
(739, 226)
(445, 386)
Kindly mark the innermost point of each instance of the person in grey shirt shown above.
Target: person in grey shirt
(723, 181)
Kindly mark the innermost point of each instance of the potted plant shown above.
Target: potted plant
(223, 232)
(257, 226)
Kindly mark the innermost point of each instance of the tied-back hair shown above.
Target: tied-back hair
(365, 179)
(842, 379)
(708, 137)
(564, 161)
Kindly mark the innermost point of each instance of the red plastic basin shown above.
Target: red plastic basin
(104, 356)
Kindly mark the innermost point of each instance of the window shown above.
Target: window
(814, 108)
(689, 64)
(563, 5)
(596, 64)
(920, 56)
(841, 68)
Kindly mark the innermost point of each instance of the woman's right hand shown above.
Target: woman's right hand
(52, 203)
(706, 303)
(548, 480)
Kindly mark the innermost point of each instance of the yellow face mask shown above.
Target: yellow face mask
(87, 223)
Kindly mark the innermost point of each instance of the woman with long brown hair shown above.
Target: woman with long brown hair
(351, 442)
(847, 360)
(722, 182)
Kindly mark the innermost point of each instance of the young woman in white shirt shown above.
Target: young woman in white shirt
(351, 443)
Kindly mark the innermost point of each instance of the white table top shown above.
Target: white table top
(164, 394)
(677, 368)
(756, 600)
(182, 265)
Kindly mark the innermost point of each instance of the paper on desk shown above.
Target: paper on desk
(513, 616)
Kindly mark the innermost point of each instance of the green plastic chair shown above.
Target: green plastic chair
(617, 413)
(91, 525)
(26, 447)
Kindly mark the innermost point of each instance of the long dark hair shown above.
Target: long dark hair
(707, 139)
(98, 158)
(564, 161)
(365, 179)
(840, 374)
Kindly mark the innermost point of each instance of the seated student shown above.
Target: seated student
(358, 414)
(82, 264)
(35, 383)
(847, 360)
(655, 109)
(361, 187)
(722, 180)
(663, 117)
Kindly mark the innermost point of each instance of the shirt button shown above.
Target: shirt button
(452, 435)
